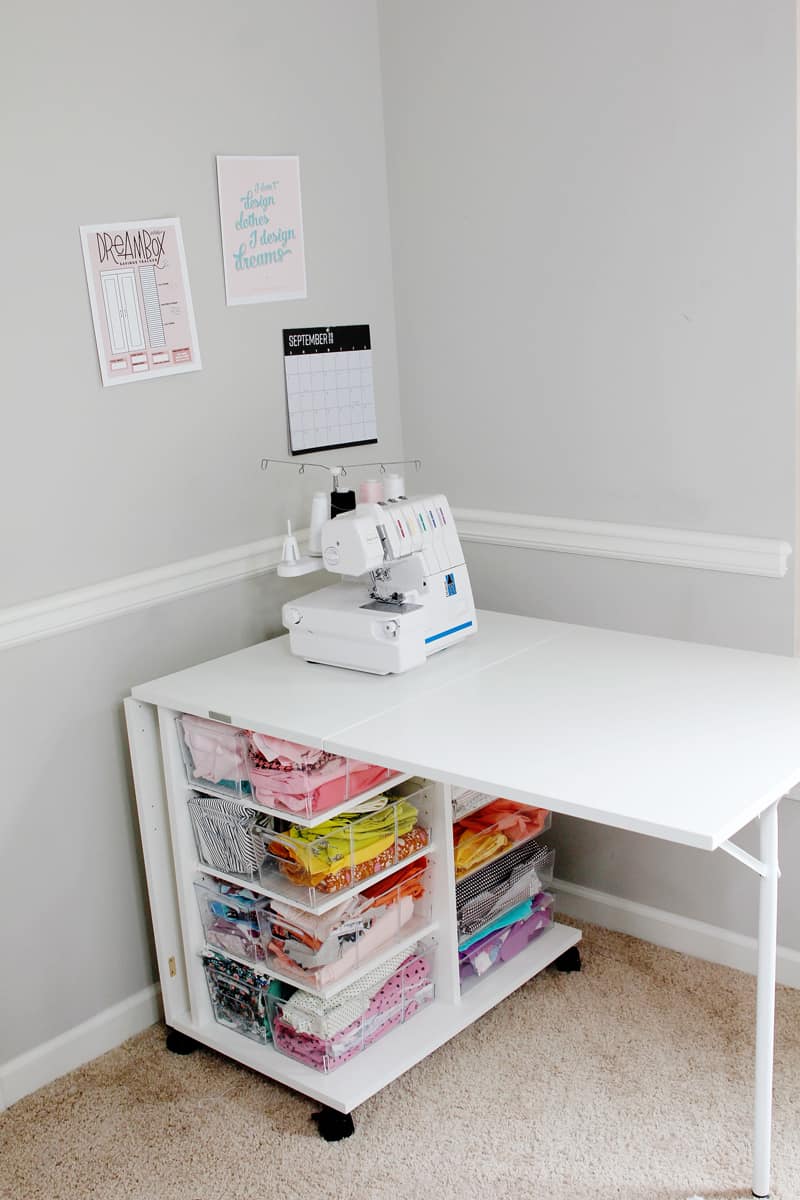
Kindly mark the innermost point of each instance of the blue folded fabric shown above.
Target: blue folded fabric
(518, 913)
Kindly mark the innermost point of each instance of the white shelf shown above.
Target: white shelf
(172, 865)
(283, 814)
(402, 1048)
(413, 931)
(287, 891)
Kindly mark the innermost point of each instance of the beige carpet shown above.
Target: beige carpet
(632, 1079)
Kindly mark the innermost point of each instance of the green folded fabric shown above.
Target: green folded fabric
(350, 836)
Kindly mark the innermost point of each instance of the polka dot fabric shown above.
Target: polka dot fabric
(397, 1000)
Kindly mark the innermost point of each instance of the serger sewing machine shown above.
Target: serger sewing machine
(405, 592)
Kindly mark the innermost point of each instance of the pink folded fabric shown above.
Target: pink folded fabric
(300, 791)
(368, 943)
(217, 751)
(394, 1003)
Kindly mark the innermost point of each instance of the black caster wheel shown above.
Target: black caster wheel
(569, 961)
(179, 1043)
(334, 1126)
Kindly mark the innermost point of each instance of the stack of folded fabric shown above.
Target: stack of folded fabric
(227, 835)
(301, 779)
(218, 752)
(506, 936)
(498, 886)
(350, 847)
(239, 996)
(230, 916)
(326, 1033)
(320, 950)
(484, 835)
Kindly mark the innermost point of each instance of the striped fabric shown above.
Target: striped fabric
(224, 834)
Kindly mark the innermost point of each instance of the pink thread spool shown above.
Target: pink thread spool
(370, 491)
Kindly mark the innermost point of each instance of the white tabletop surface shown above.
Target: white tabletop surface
(267, 688)
(677, 740)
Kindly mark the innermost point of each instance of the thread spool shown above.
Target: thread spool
(342, 502)
(394, 487)
(370, 491)
(320, 512)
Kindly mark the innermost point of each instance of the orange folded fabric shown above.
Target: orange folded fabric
(405, 882)
(487, 833)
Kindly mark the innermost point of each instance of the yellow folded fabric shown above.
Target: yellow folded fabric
(472, 849)
(344, 841)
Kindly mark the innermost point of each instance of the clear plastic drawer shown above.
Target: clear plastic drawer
(230, 915)
(271, 772)
(481, 897)
(239, 997)
(324, 1034)
(229, 838)
(303, 781)
(319, 952)
(308, 866)
(466, 800)
(504, 938)
(489, 831)
(214, 755)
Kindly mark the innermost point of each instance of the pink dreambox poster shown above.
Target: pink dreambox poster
(141, 303)
(261, 222)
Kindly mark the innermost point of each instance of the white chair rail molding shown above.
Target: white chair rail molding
(63, 611)
(639, 543)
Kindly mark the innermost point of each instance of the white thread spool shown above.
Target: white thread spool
(394, 487)
(320, 512)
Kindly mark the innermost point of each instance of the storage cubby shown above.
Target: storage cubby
(267, 904)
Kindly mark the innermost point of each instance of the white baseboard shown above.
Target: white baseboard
(110, 1028)
(694, 938)
(80, 1045)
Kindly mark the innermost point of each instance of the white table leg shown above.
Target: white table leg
(765, 999)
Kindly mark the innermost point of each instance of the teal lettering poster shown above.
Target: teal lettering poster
(261, 222)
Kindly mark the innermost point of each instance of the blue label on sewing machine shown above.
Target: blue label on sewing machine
(450, 584)
(435, 637)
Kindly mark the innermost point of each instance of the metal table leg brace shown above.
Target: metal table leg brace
(767, 867)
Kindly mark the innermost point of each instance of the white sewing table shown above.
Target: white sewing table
(684, 742)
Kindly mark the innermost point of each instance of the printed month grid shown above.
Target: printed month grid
(329, 390)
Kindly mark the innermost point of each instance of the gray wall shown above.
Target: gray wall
(593, 218)
(107, 116)
(593, 224)
(111, 114)
(612, 185)
(75, 921)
